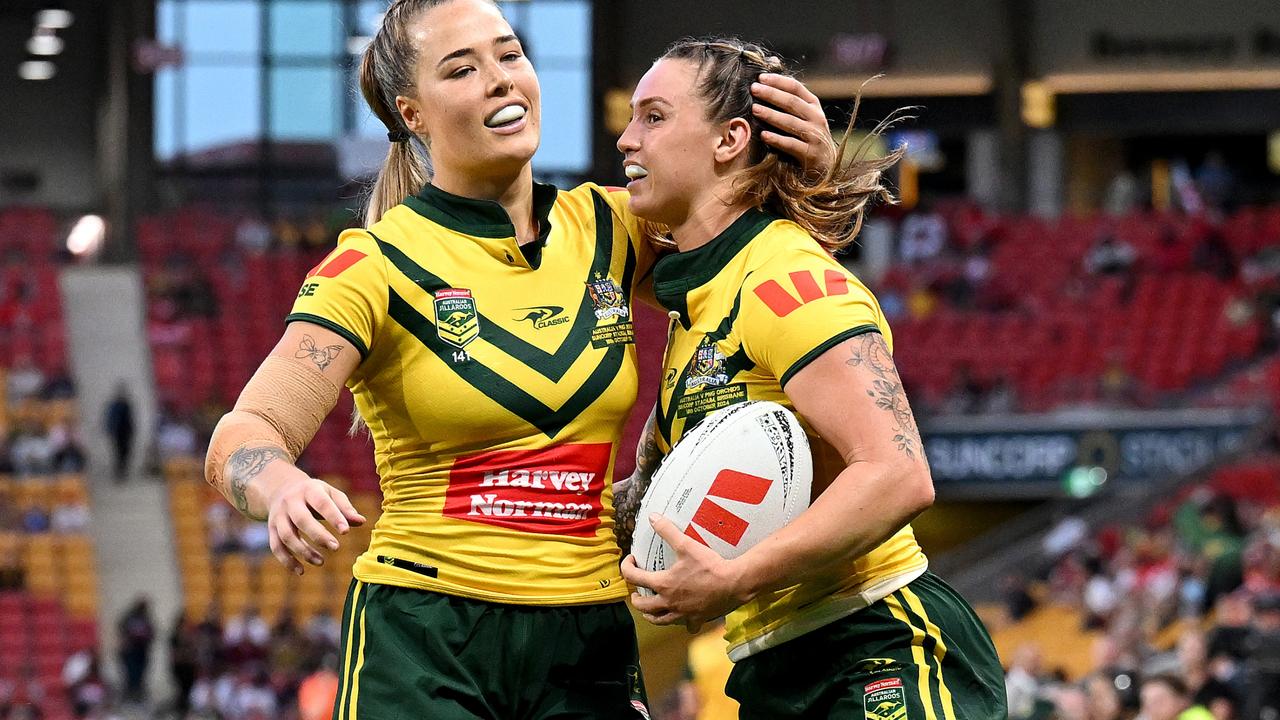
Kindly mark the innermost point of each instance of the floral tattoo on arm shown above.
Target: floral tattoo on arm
(869, 351)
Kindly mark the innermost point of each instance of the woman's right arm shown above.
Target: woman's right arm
(253, 448)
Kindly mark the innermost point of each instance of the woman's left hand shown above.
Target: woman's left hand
(787, 105)
(699, 587)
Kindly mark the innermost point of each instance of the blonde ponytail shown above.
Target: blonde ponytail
(386, 71)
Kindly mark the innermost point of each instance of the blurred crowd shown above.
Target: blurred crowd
(1203, 576)
(244, 668)
(34, 441)
(944, 259)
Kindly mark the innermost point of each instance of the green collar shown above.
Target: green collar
(485, 218)
(676, 274)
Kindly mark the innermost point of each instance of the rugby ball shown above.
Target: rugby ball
(736, 477)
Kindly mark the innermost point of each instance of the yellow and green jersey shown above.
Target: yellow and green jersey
(757, 304)
(495, 380)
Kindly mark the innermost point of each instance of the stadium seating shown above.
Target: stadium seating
(228, 582)
(49, 600)
(1061, 329)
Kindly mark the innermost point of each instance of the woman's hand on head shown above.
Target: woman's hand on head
(294, 520)
(786, 105)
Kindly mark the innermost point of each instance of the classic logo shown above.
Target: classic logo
(457, 322)
(543, 316)
(884, 700)
(554, 491)
(607, 298)
(719, 521)
(707, 366)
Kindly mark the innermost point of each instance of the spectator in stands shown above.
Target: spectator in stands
(120, 427)
(1110, 696)
(323, 631)
(59, 385)
(1164, 697)
(35, 519)
(1123, 194)
(1116, 386)
(220, 523)
(317, 693)
(24, 380)
(136, 636)
(1262, 670)
(966, 394)
(82, 678)
(66, 452)
(922, 236)
(1216, 181)
(1001, 398)
(175, 436)
(1228, 641)
(70, 514)
(1110, 257)
(183, 661)
(12, 574)
(1023, 682)
(1017, 599)
(30, 450)
(1071, 702)
(252, 235)
(1214, 256)
(1208, 525)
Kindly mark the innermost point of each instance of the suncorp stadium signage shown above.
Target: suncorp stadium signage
(1031, 455)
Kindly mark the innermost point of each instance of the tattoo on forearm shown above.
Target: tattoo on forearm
(629, 492)
(246, 464)
(321, 356)
(870, 351)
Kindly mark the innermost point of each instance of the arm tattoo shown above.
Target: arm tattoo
(246, 464)
(321, 356)
(870, 351)
(629, 492)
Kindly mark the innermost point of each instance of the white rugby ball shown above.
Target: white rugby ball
(735, 478)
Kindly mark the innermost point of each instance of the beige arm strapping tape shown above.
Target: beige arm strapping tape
(283, 404)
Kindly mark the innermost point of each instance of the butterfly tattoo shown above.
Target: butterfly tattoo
(321, 356)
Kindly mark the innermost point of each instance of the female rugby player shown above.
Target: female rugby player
(483, 324)
(835, 615)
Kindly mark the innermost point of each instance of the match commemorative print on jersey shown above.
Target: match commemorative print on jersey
(554, 490)
(457, 322)
(613, 324)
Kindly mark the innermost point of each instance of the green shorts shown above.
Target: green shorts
(411, 654)
(919, 654)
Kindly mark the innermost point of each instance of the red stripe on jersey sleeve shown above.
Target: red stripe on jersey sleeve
(340, 264)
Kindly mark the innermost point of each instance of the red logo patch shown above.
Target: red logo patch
(783, 303)
(553, 491)
(882, 684)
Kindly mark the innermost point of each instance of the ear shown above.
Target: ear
(411, 113)
(735, 138)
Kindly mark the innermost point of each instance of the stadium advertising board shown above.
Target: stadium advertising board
(1033, 455)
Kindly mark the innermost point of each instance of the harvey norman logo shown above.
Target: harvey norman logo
(554, 490)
